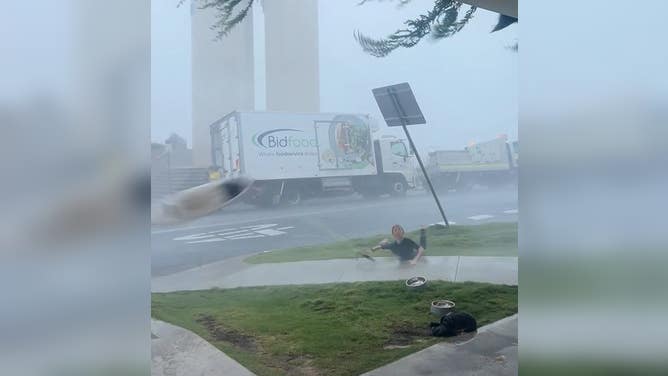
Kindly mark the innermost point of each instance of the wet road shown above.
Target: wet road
(242, 229)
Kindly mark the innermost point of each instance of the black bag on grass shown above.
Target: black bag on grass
(453, 324)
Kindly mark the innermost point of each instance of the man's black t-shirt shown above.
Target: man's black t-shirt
(405, 250)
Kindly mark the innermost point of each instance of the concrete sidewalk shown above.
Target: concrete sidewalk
(492, 351)
(177, 351)
(233, 273)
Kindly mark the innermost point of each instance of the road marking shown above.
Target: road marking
(195, 236)
(259, 227)
(511, 211)
(480, 217)
(207, 241)
(270, 232)
(237, 237)
(209, 234)
(226, 233)
(245, 232)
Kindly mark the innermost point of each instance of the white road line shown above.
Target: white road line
(481, 217)
(246, 232)
(209, 234)
(207, 241)
(237, 237)
(259, 227)
(221, 230)
(227, 233)
(195, 236)
(270, 232)
(511, 211)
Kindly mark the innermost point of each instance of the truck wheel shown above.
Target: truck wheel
(292, 197)
(398, 188)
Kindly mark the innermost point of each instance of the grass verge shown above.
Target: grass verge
(490, 239)
(335, 329)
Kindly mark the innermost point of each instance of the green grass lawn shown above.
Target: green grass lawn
(335, 329)
(491, 239)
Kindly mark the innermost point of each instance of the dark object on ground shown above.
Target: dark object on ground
(453, 324)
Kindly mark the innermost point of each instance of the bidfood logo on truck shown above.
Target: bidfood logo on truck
(284, 138)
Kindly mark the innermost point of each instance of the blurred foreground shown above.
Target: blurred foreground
(593, 189)
(74, 243)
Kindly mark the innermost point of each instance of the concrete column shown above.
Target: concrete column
(291, 38)
(222, 77)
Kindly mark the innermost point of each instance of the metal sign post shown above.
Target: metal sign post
(399, 108)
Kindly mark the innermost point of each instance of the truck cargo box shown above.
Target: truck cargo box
(485, 156)
(275, 145)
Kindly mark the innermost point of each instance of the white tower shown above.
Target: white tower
(223, 70)
(222, 77)
(291, 51)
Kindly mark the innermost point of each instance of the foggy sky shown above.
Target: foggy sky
(466, 85)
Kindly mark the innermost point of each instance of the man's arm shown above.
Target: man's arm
(381, 245)
(417, 257)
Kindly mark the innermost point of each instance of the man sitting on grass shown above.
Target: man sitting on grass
(404, 248)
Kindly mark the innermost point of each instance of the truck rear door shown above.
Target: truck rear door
(225, 146)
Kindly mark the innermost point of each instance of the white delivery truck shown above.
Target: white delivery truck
(292, 156)
(485, 163)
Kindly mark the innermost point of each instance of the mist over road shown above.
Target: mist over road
(243, 229)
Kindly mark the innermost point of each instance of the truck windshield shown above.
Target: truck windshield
(398, 148)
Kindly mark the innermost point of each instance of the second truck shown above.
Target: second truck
(292, 156)
(489, 163)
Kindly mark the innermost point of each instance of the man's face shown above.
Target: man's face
(398, 234)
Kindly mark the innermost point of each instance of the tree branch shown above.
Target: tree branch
(440, 22)
(226, 17)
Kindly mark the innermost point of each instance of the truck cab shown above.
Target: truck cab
(398, 159)
(396, 166)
